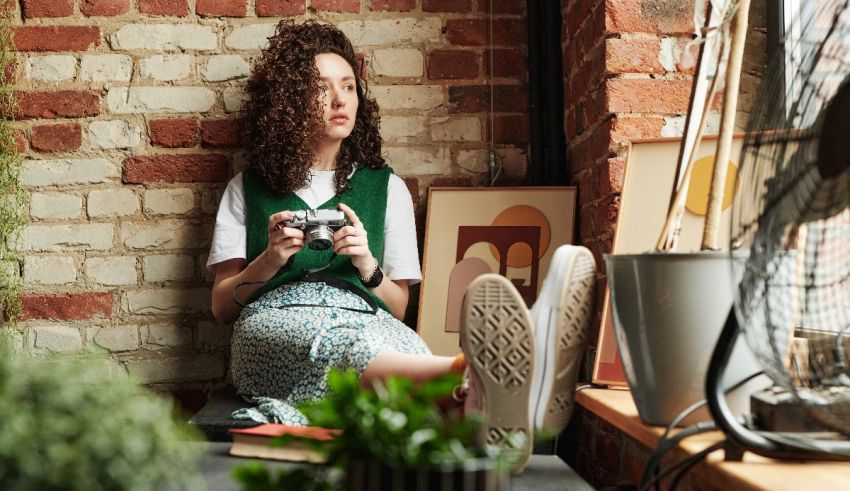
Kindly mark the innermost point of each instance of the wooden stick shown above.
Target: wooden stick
(727, 126)
(673, 225)
(713, 49)
(696, 102)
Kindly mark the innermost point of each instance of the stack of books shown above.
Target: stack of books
(282, 442)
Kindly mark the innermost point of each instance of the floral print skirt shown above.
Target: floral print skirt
(281, 354)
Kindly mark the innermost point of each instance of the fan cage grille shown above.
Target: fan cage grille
(793, 302)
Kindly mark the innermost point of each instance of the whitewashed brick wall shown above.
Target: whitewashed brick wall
(124, 123)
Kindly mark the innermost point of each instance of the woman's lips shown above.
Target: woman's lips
(339, 120)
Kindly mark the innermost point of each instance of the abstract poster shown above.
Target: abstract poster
(472, 231)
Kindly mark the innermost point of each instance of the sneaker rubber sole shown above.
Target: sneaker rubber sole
(561, 317)
(498, 342)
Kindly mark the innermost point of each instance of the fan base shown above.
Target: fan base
(776, 410)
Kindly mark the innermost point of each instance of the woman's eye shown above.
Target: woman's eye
(349, 87)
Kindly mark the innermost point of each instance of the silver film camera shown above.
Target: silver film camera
(318, 226)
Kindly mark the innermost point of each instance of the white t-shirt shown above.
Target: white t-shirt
(401, 255)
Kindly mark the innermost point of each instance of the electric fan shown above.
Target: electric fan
(792, 212)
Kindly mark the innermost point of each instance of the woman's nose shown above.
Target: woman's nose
(338, 100)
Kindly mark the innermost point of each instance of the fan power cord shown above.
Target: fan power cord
(807, 444)
(688, 463)
(666, 443)
(683, 465)
(653, 464)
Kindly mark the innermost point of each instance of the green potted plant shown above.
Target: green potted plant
(76, 425)
(397, 435)
(13, 196)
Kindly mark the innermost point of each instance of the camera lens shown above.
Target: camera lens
(319, 237)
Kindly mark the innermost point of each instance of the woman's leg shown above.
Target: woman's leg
(417, 367)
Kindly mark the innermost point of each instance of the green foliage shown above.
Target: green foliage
(71, 425)
(256, 477)
(399, 423)
(13, 198)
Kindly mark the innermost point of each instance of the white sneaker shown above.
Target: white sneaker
(561, 316)
(498, 342)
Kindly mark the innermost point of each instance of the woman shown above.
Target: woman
(313, 142)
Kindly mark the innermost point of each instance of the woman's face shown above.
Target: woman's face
(339, 98)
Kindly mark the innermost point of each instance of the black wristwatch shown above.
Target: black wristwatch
(375, 278)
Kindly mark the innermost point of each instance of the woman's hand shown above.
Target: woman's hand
(351, 240)
(284, 241)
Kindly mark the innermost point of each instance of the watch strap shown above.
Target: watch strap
(375, 278)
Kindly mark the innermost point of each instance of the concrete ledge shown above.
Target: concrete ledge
(543, 472)
(214, 418)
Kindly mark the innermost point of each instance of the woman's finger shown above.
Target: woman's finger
(354, 250)
(349, 231)
(285, 232)
(352, 217)
(351, 240)
(278, 240)
(276, 219)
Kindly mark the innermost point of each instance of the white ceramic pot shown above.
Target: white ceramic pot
(669, 309)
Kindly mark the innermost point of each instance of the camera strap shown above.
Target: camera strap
(320, 277)
(337, 282)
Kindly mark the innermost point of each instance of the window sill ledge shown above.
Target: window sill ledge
(616, 407)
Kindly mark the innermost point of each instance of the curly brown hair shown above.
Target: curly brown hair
(284, 115)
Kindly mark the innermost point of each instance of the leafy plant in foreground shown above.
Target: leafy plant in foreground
(398, 423)
(13, 197)
(71, 425)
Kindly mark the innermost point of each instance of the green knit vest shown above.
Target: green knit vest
(366, 194)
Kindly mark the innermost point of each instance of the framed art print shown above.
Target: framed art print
(647, 186)
(472, 231)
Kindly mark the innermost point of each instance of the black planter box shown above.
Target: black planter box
(476, 475)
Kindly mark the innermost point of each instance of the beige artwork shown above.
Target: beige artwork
(473, 231)
(647, 186)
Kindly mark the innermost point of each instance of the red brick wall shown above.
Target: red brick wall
(609, 459)
(602, 454)
(616, 89)
(622, 81)
(127, 117)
